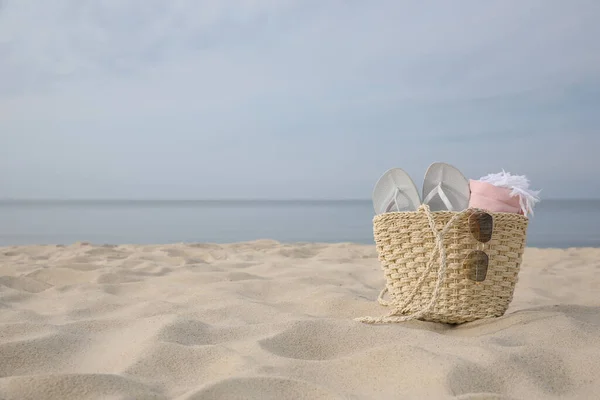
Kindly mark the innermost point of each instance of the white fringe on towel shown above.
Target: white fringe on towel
(520, 187)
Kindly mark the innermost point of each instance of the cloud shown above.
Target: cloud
(341, 89)
(471, 50)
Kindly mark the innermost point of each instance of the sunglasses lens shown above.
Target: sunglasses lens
(477, 265)
(481, 225)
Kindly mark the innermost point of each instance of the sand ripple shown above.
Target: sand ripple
(264, 320)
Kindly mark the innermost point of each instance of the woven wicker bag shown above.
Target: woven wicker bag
(423, 255)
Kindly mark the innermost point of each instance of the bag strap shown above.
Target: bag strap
(397, 314)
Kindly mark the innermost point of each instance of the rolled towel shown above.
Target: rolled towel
(503, 192)
(493, 198)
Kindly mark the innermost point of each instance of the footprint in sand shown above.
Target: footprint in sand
(262, 388)
(78, 386)
(470, 378)
(311, 340)
(24, 284)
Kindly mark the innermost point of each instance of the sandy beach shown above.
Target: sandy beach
(264, 320)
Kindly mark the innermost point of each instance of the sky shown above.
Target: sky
(292, 99)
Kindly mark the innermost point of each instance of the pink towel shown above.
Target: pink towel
(493, 198)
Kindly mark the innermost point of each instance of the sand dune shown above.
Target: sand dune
(264, 320)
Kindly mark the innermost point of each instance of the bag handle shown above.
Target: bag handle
(396, 315)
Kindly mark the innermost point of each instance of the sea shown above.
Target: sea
(556, 223)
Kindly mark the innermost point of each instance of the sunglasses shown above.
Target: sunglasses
(481, 226)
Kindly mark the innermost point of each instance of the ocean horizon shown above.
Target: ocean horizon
(560, 223)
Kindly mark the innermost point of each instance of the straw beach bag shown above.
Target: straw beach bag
(440, 267)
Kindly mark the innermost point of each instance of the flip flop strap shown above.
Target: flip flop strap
(396, 193)
(440, 192)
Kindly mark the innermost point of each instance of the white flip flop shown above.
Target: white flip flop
(445, 188)
(395, 191)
